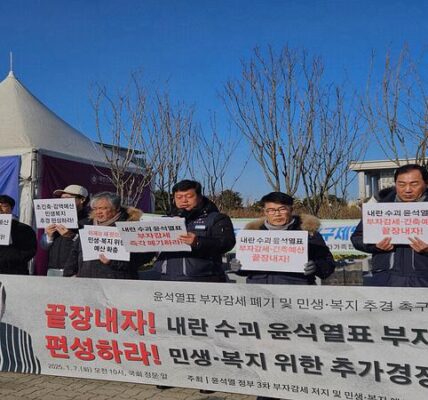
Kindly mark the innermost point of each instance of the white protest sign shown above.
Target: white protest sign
(154, 235)
(56, 211)
(282, 251)
(290, 342)
(335, 232)
(5, 226)
(96, 240)
(399, 221)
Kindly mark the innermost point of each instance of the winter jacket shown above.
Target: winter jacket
(401, 267)
(113, 270)
(14, 258)
(317, 252)
(215, 236)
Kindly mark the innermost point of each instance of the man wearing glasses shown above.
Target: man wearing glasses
(278, 215)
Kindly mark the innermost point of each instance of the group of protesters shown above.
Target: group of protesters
(210, 234)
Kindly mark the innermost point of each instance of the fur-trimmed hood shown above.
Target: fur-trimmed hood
(127, 214)
(304, 222)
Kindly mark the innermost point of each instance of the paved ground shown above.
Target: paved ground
(43, 387)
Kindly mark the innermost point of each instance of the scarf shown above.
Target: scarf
(278, 227)
(420, 200)
(108, 222)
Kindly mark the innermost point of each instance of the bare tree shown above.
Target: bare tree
(396, 108)
(273, 106)
(173, 136)
(213, 161)
(145, 138)
(325, 170)
(120, 126)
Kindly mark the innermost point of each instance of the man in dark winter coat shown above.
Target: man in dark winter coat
(57, 239)
(399, 265)
(209, 233)
(278, 216)
(106, 211)
(278, 211)
(14, 257)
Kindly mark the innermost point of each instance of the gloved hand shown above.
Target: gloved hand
(235, 265)
(310, 268)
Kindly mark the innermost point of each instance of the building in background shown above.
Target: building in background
(374, 176)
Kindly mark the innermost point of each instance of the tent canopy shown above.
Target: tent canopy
(26, 123)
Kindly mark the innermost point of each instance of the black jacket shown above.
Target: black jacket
(60, 248)
(115, 269)
(400, 267)
(318, 252)
(215, 236)
(14, 258)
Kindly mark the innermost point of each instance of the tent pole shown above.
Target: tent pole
(34, 182)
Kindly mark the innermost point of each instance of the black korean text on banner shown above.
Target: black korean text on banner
(329, 342)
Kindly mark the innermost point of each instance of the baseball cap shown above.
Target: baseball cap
(75, 190)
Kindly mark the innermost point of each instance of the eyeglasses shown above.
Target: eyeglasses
(280, 210)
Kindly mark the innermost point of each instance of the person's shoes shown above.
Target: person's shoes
(160, 387)
(203, 391)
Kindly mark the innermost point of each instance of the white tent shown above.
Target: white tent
(47, 151)
(29, 129)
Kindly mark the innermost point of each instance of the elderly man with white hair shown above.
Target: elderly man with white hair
(106, 210)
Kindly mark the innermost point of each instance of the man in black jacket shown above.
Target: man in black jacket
(209, 233)
(14, 257)
(57, 239)
(399, 265)
(278, 211)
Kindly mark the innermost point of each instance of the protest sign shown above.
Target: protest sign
(5, 227)
(55, 211)
(96, 240)
(266, 340)
(154, 235)
(399, 221)
(282, 251)
(335, 232)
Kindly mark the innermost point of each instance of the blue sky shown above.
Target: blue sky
(61, 47)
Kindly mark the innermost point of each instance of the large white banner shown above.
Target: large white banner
(279, 341)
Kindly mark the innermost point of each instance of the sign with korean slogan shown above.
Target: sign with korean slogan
(5, 226)
(399, 221)
(281, 251)
(96, 240)
(55, 211)
(154, 235)
(287, 342)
